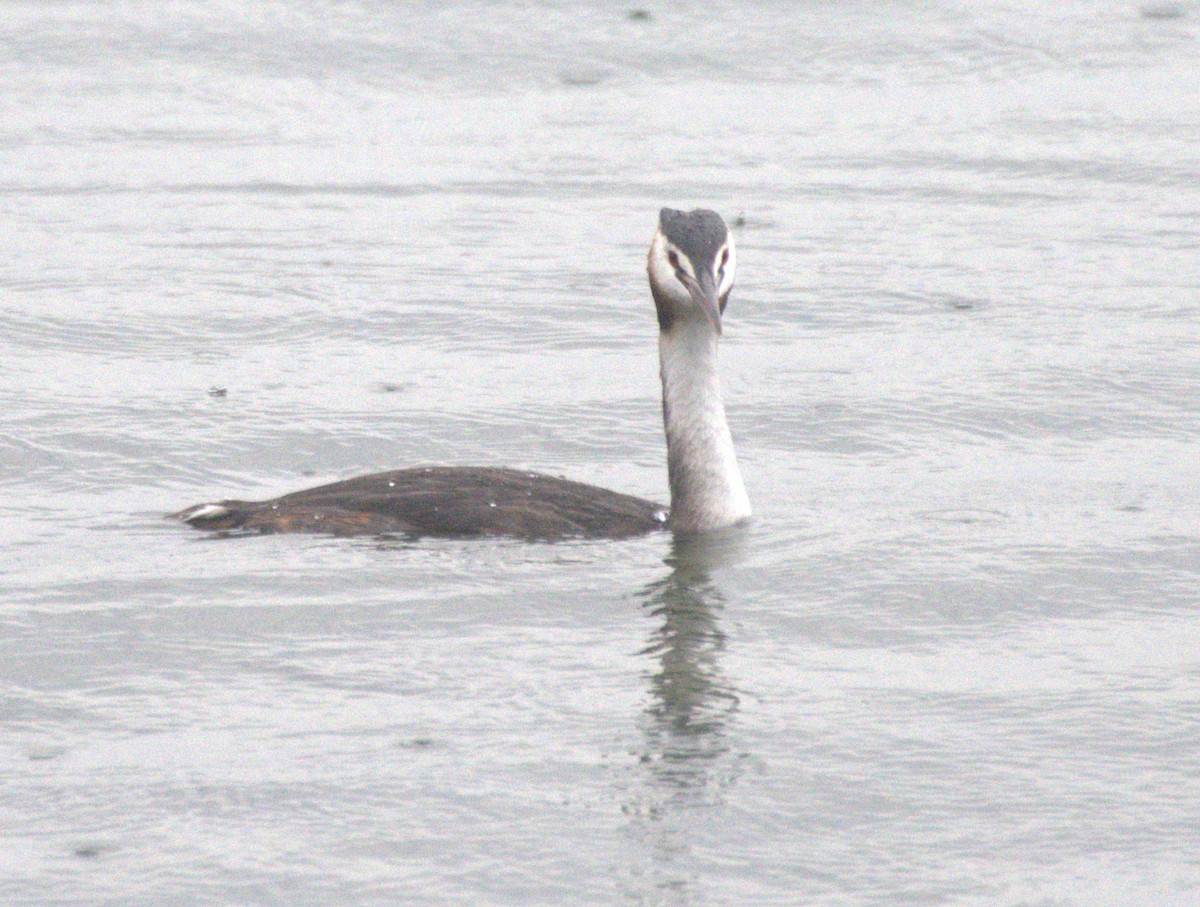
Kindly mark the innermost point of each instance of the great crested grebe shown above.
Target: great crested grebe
(691, 267)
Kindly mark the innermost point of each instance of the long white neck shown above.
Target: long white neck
(706, 487)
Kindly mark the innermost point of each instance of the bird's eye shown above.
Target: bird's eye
(673, 259)
(724, 257)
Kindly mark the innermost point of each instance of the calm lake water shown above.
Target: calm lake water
(253, 246)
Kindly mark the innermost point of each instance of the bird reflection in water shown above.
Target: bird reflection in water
(691, 705)
(690, 700)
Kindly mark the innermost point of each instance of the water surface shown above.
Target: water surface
(255, 246)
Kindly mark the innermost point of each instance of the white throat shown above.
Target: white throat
(706, 487)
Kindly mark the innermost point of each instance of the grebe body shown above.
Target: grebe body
(443, 500)
(691, 269)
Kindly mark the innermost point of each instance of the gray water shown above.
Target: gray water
(253, 246)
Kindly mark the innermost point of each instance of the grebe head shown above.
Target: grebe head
(691, 266)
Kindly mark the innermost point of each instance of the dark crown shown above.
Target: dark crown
(698, 233)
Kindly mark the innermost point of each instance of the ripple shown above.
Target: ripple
(964, 516)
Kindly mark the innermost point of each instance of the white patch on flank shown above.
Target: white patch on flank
(206, 512)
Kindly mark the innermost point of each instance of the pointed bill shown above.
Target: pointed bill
(703, 289)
